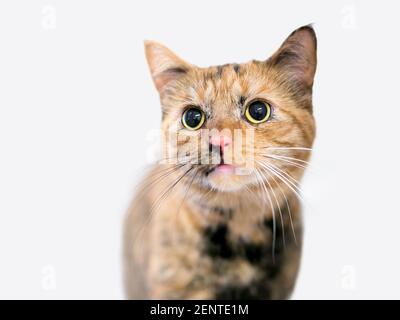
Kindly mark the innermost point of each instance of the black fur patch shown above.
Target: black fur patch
(217, 244)
(269, 224)
(255, 253)
(236, 68)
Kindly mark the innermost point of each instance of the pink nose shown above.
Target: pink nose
(220, 141)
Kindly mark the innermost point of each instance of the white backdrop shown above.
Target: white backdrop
(77, 101)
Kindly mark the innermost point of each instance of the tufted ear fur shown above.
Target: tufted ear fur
(297, 56)
(165, 66)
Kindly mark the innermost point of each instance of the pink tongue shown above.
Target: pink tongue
(225, 168)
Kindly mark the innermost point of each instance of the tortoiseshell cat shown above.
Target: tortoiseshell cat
(211, 231)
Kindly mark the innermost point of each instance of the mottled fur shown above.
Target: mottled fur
(203, 236)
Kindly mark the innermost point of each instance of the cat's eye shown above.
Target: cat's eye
(258, 112)
(193, 118)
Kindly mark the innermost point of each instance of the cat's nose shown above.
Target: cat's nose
(220, 141)
(217, 145)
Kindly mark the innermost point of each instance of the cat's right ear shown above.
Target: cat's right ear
(165, 66)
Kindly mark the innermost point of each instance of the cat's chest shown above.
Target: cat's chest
(229, 248)
(230, 240)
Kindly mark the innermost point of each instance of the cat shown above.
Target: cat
(206, 230)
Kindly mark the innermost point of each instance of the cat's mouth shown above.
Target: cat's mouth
(221, 169)
(228, 169)
(227, 177)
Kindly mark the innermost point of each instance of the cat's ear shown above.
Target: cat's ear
(297, 56)
(165, 66)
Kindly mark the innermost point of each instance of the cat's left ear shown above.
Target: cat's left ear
(297, 56)
(165, 66)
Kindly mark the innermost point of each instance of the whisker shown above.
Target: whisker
(279, 207)
(167, 191)
(261, 180)
(291, 158)
(159, 176)
(290, 216)
(251, 192)
(187, 190)
(287, 182)
(179, 160)
(285, 174)
(288, 207)
(302, 162)
(289, 148)
(297, 165)
(295, 183)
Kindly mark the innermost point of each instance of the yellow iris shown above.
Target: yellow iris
(258, 112)
(193, 119)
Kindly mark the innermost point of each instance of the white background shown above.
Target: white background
(77, 102)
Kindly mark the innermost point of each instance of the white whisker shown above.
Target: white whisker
(156, 204)
(261, 181)
(293, 158)
(295, 183)
(285, 180)
(298, 165)
(289, 158)
(288, 207)
(279, 207)
(289, 148)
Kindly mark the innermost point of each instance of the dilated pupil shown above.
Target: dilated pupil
(193, 117)
(258, 111)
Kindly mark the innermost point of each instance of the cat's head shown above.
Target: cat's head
(242, 123)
